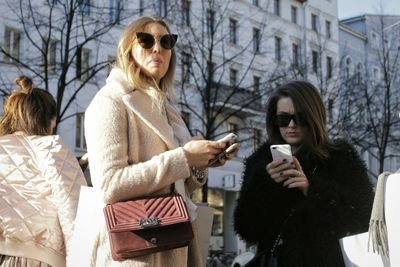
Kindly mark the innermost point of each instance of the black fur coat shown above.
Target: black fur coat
(338, 204)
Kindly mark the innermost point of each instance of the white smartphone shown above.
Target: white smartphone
(281, 152)
(229, 138)
(230, 147)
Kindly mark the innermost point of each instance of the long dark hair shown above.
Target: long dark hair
(307, 102)
(29, 110)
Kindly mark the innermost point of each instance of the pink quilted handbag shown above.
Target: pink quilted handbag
(147, 225)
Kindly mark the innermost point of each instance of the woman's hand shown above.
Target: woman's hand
(233, 149)
(200, 152)
(280, 170)
(298, 178)
(291, 173)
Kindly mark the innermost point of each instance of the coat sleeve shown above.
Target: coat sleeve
(262, 205)
(341, 197)
(106, 131)
(62, 171)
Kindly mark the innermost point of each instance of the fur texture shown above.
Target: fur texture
(338, 204)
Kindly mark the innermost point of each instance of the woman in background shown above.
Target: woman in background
(40, 181)
(296, 211)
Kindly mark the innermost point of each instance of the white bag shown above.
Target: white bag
(355, 252)
(205, 215)
(89, 219)
(392, 216)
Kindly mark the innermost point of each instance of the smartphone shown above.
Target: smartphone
(229, 138)
(230, 147)
(281, 152)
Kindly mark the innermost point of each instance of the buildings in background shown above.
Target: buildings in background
(370, 80)
(237, 51)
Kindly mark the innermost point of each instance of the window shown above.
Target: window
(328, 67)
(294, 14)
(80, 141)
(359, 73)
(233, 77)
(232, 128)
(296, 54)
(210, 21)
(141, 7)
(375, 74)
(256, 84)
(330, 108)
(256, 40)
(186, 67)
(348, 67)
(82, 64)
(186, 12)
(277, 7)
(12, 40)
(50, 49)
(315, 61)
(115, 9)
(255, 2)
(328, 29)
(314, 22)
(232, 30)
(256, 138)
(186, 118)
(162, 8)
(278, 48)
(375, 38)
(84, 7)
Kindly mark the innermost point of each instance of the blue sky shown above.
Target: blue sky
(351, 8)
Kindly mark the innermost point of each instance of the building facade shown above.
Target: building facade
(369, 71)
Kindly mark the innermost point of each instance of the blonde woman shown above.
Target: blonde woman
(39, 182)
(137, 142)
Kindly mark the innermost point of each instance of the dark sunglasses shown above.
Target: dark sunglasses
(147, 40)
(283, 120)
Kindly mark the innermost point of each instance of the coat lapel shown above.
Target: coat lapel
(141, 104)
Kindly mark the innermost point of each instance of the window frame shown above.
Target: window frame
(232, 30)
(256, 40)
(12, 44)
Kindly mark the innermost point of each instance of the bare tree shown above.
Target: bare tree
(369, 106)
(59, 38)
(209, 54)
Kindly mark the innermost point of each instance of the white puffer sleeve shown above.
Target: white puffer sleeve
(61, 169)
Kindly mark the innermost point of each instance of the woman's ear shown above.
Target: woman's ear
(52, 125)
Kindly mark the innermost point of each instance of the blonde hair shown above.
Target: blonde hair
(135, 76)
(29, 110)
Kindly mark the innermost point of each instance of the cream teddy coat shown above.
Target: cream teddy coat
(133, 152)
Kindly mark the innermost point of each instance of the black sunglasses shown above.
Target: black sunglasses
(147, 40)
(283, 120)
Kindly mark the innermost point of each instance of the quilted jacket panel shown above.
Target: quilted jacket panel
(40, 180)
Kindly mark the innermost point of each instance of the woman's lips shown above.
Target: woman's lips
(292, 134)
(156, 61)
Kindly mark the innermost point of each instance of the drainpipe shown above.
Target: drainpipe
(304, 56)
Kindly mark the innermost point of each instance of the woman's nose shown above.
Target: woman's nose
(292, 123)
(157, 47)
